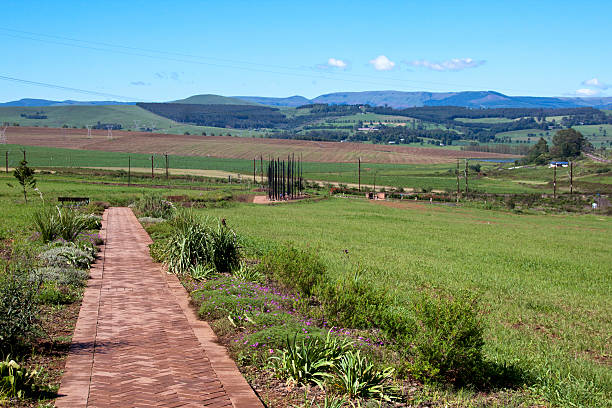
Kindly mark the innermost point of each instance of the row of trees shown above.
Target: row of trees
(566, 144)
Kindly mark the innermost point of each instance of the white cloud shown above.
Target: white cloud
(587, 92)
(337, 63)
(382, 63)
(595, 83)
(455, 64)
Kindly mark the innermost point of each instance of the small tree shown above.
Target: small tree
(568, 143)
(25, 176)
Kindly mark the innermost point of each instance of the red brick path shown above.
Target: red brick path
(137, 343)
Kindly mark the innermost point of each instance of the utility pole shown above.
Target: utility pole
(359, 178)
(6, 161)
(261, 167)
(375, 180)
(571, 178)
(457, 174)
(167, 174)
(467, 191)
(254, 170)
(129, 170)
(152, 173)
(555, 181)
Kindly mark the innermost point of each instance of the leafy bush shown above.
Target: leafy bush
(18, 308)
(50, 293)
(60, 275)
(66, 255)
(351, 303)
(15, 380)
(219, 298)
(150, 220)
(355, 376)
(154, 206)
(448, 341)
(193, 242)
(64, 223)
(303, 362)
(294, 268)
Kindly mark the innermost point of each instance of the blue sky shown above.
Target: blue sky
(165, 50)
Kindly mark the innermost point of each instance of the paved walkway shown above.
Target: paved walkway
(137, 343)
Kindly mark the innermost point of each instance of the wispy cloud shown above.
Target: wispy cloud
(382, 63)
(595, 83)
(587, 92)
(167, 75)
(140, 83)
(337, 63)
(455, 64)
(333, 63)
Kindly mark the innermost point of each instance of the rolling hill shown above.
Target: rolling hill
(210, 99)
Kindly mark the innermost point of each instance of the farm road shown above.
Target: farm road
(137, 343)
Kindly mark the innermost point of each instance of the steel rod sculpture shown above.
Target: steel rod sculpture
(285, 180)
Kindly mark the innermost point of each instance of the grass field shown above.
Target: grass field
(408, 176)
(544, 280)
(130, 117)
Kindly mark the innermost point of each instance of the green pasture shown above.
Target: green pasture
(131, 117)
(410, 176)
(544, 281)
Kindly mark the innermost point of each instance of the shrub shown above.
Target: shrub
(52, 294)
(15, 380)
(18, 309)
(351, 303)
(294, 268)
(449, 338)
(66, 255)
(155, 206)
(355, 376)
(219, 298)
(60, 275)
(150, 220)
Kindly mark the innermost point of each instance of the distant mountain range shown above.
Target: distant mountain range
(394, 99)
(46, 102)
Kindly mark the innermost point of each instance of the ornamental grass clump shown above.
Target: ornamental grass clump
(193, 241)
(65, 223)
(356, 377)
(154, 206)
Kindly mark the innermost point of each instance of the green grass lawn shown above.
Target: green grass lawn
(544, 281)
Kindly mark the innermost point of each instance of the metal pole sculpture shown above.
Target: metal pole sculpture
(129, 170)
(359, 177)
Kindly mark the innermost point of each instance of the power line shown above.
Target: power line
(65, 88)
(137, 51)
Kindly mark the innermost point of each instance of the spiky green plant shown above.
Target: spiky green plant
(303, 362)
(357, 377)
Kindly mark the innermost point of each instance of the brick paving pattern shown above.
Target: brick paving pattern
(137, 343)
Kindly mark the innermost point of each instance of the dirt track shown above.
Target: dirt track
(234, 147)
